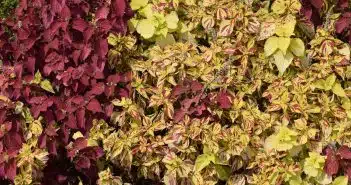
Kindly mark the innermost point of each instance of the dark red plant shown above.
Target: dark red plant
(338, 160)
(66, 41)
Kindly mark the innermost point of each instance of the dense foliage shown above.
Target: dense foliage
(201, 92)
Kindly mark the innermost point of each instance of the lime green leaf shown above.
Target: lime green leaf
(37, 78)
(270, 46)
(223, 172)
(46, 85)
(146, 11)
(283, 44)
(341, 180)
(297, 47)
(283, 140)
(202, 161)
(338, 90)
(112, 39)
(287, 27)
(77, 135)
(136, 4)
(282, 61)
(329, 82)
(346, 103)
(146, 28)
(172, 20)
(314, 164)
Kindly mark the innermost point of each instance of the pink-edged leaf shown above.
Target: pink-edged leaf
(85, 52)
(88, 33)
(94, 106)
(342, 24)
(179, 115)
(344, 152)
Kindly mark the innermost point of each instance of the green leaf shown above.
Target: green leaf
(46, 85)
(164, 41)
(146, 28)
(341, 180)
(338, 90)
(283, 44)
(297, 47)
(223, 172)
(172, 20)
(287, 27)
(270, 46)
(136, 4)
(202, 161)
(314, 164)
(282, 61)
(112, 39)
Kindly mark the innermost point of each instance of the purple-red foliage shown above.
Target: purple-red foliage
(66, 40)
(338, 161)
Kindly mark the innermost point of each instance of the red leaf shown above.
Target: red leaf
(102, 13)
(79, 24)
(119, 7)
(317, 3)
(94, 106)
(82, 162)
(224, 100)
(344, 152)
(102, 47)
(331, 166)
(342, 24)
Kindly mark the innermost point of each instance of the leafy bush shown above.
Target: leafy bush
(198, 92)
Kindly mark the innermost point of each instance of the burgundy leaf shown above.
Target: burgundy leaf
(94, 106)
(344, 152)
(82, 162)
(331, 166)
(342, 24)
(102, 13)
(79, 24)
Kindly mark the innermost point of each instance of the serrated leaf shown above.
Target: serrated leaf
(146, 28)
(282, 61)
(338, 90)
(172, 20)
(283, 44)
(137, 4)
(46, 85)
(202, 161)
(341, 180)
(297, 47)
(270, 46)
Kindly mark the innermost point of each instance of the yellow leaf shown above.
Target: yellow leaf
(282, 61)
(270, 46)
(338, 90)
(283, 44)
(46, 85)
(286, 28)
(297, 47)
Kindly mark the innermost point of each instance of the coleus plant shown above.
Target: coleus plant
(53, 58)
